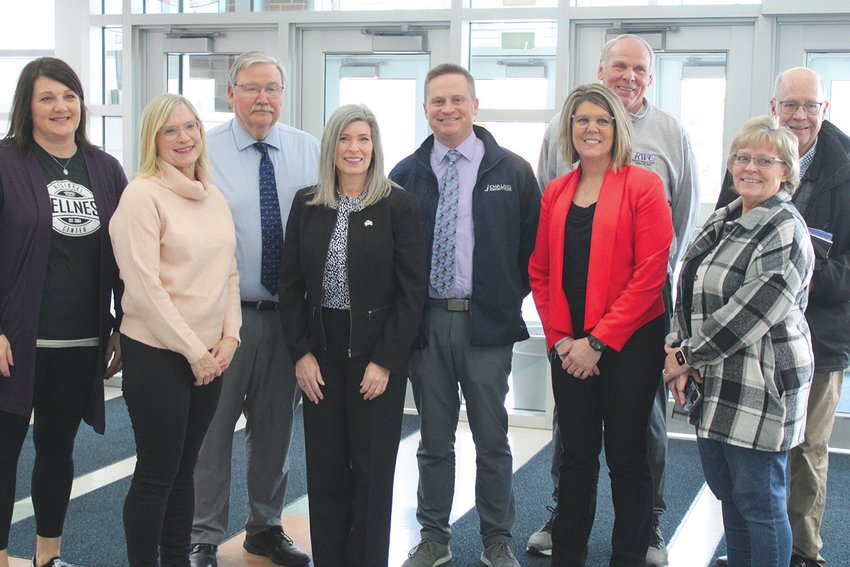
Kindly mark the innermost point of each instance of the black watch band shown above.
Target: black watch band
(596, 344)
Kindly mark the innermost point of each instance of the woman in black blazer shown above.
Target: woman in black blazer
(353, 281)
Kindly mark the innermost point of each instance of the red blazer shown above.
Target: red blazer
(629, 253)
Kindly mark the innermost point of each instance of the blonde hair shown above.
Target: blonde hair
(602, 96)
(766, 130)
(154, 117)
(377, 184)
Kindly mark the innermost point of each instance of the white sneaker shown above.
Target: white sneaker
(540, 542)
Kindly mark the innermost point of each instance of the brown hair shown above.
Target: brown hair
(20, 122)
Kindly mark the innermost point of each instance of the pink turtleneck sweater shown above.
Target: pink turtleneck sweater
(174, 243)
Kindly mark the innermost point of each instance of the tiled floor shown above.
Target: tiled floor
(692, 545)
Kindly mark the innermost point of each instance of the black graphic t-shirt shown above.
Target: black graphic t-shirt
(69, 303)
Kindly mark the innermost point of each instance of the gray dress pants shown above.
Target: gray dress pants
(450, 365)
(261, 384)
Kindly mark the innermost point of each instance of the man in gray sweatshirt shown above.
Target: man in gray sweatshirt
(660, 144)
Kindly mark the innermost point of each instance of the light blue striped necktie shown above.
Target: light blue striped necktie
(445, 229)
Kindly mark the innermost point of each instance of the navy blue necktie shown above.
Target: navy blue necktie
(270, 222)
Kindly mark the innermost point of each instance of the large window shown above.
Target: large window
(514, 68)
(21, 43)
(218, 6)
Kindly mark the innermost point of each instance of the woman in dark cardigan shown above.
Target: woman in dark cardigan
(57, 283)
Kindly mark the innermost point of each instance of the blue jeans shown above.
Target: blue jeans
(750, 484)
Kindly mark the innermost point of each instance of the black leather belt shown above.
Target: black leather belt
(261, 305)
(450, 304)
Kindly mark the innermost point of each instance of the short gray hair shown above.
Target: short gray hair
(767, 130)
(252, 58)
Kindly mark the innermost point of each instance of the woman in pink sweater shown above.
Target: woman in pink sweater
(174, 242)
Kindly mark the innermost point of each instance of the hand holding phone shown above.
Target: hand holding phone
(693, 396)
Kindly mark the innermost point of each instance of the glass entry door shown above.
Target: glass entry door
(698, 69)
(197, 66)
(350, 66)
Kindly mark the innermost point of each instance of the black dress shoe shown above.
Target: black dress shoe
(203, 555)
(721, 561)
(277, 546)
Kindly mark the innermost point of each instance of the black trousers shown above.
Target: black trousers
(170, 417)
(63, 385)
(351, 447)
(614, 406)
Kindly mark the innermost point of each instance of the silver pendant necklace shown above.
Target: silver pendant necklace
(59, 163)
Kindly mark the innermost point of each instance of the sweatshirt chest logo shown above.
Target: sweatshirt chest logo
(644, 159)
(499, 187)
(74, 209)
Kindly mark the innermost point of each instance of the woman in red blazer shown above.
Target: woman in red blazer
(597, 272)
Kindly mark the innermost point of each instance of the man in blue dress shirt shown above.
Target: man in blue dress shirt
(261, 381)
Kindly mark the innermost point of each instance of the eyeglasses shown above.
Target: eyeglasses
(602, 122)
(790, 107)
(172, 132)
(762, 162)
(252, 89)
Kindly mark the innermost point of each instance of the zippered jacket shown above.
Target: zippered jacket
(505, 211)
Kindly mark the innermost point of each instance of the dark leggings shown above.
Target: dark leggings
(62, 387)
(170, 417)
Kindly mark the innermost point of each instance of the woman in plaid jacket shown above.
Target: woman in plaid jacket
(741, 336)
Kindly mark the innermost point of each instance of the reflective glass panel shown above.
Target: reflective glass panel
(661, 2)
(27, 25)
(10, 70)
(106, 6)
(391, 86)
(514, 64)
(835, 70)
(218, 6)
(353, 5)
(686, 85)
(106, 66)
(513, 3)
(522, 138)
(107, 132)
(202, 79)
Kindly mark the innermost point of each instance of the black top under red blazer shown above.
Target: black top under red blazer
(387, 277)
(629, 253)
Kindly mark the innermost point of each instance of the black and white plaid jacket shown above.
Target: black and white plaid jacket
(750, 340)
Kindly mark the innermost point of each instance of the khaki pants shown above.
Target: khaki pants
(809, 463)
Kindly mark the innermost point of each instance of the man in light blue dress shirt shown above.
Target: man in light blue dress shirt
(261, 381)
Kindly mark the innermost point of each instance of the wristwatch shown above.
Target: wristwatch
(681, 359)
(596, 344)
